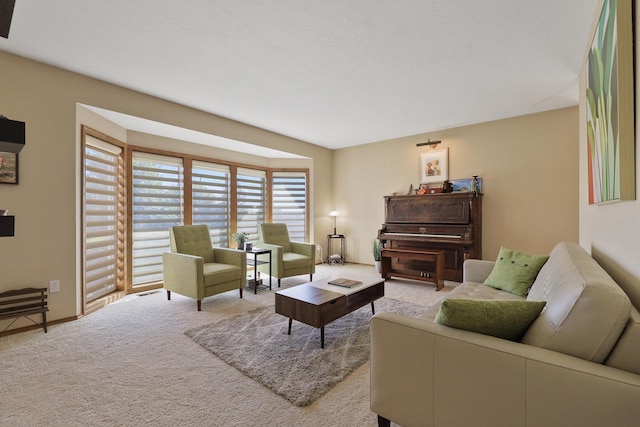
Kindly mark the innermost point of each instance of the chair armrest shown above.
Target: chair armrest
(275, 249)
(183, 274)
(476, 270)
(423, 373)
(230, 256)
(277, 265)
(304, 248)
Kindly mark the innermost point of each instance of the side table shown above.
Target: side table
(255, 262)
(335, 258)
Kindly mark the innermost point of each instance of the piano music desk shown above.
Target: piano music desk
(436, 257)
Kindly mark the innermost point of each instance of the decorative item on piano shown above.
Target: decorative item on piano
(475, 185)
(434, 166)
(426, 189)
(467, 185)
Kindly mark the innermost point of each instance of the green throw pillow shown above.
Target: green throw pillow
(515, 271)
(508, 319)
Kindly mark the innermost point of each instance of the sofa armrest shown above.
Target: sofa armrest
(423, 373)
(183, 274)
(476, 270)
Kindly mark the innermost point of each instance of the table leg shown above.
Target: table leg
(290, 320)
(322, 337)
(255, 273)
(270, 266)
(373, 309)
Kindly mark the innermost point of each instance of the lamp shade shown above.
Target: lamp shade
(11, 135)
(333, 213)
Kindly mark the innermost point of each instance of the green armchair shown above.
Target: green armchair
(289, 258)
(194, 268)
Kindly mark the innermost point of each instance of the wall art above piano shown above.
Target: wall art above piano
(434, 166)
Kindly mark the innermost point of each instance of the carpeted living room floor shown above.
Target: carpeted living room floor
(130, 364)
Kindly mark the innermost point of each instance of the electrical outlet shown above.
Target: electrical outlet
(54, 286)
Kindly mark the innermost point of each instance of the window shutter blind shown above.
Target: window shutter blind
(251, 201)
(157, 187)
(289, 202)
(103, 218)
(211, 200)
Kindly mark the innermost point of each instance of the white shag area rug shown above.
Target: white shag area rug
(294, 366)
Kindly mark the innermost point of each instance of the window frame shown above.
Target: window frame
(126, 283)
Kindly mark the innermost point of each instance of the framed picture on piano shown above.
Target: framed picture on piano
(465, 185)
(434, 166)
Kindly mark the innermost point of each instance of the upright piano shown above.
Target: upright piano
(447, 222)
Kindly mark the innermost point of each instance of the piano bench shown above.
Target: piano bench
(435, 256)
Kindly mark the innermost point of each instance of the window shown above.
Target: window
(251, 204)
(132, 197)
(157, 187)
(103, 218)
(289, 202)
(210, 195)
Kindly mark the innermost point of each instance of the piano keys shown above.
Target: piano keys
(451, 222)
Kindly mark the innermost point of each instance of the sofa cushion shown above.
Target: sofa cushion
(586, 310)
(515, 271)
(470, 290)
(507, 319)
(626, 354)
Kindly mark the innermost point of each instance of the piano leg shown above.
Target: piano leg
(385, 270)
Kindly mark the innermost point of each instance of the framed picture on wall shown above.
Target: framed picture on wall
(434, 166)
(609, 106)
(8, 168)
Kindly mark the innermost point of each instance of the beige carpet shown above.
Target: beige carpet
(130, 364)
(304, 371)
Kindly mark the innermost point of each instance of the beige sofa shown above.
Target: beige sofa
(578, 364)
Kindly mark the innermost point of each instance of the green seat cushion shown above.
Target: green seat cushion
(215, 273)
(508, 319)
(515, 271)
(293, 260)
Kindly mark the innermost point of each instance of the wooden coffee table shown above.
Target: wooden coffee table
(318, 303)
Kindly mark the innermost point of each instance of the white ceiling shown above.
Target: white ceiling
(335, 73)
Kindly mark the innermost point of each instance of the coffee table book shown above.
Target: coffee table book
(345, 283)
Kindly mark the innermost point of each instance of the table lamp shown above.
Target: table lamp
(334, 214)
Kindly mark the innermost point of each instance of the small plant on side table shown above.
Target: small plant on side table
(240, 238)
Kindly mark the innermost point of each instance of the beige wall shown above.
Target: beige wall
(46, 201)
(528, 165)
(612, 231)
